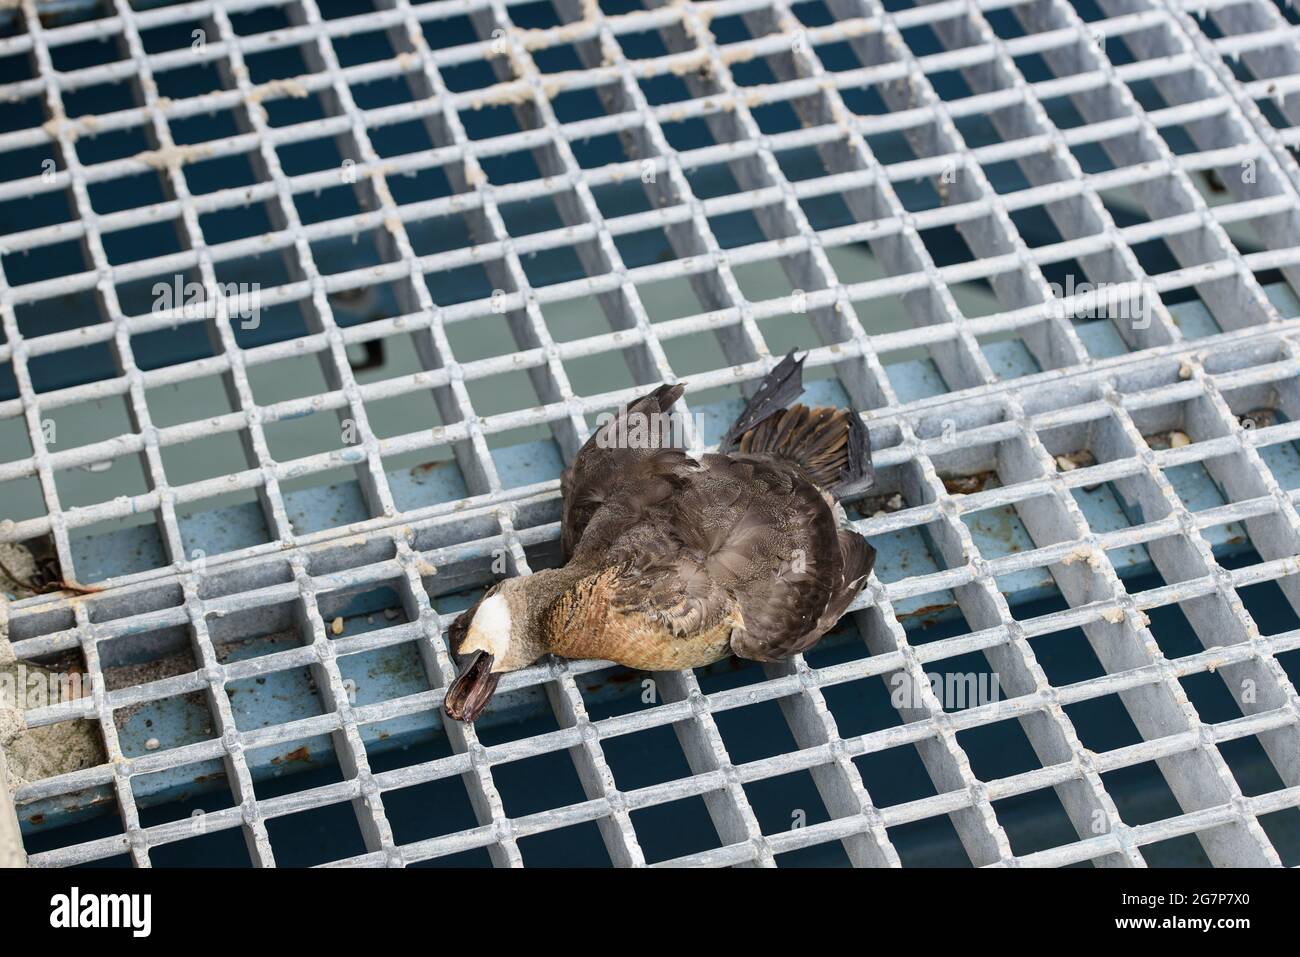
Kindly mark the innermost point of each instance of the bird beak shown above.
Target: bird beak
(470, 693)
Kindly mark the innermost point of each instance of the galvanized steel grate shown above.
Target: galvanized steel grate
(1026, 120)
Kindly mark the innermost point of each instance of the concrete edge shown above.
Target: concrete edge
(11, 841)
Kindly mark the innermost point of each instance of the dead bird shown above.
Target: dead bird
(673, 562)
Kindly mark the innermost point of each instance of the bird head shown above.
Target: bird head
(502, 636)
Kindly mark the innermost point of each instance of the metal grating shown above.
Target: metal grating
(1025, 119)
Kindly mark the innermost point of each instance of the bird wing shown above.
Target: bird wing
(605, 464)
(782, 609)
(786, 620)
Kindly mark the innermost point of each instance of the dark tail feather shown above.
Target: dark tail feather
(778, 389)
(830, 445)
(859, 474)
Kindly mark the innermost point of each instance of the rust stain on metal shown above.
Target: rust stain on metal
(297, 754)
(927, 610)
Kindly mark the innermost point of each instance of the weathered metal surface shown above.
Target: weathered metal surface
(1178, 430)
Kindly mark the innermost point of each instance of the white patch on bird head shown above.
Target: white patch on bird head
(489, 630)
